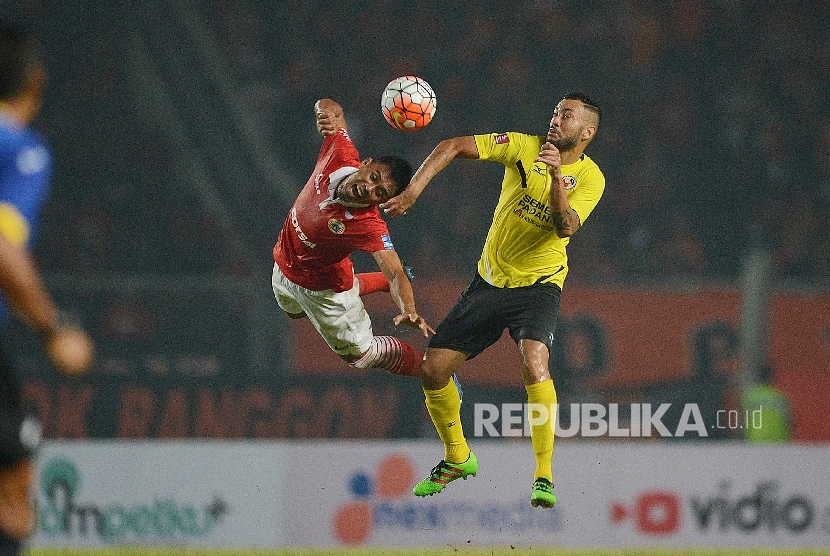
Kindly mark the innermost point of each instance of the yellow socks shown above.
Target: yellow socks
(544, 394)
(444, 408)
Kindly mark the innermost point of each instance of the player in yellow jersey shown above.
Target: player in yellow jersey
(550, 187)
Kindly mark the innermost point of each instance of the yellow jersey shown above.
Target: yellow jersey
(522, 247)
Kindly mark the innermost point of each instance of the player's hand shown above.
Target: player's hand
(550, 155)
(70, 349)
(414, 320)
(325, 123)
(398, 205)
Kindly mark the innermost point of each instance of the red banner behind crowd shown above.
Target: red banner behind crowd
(626, 339)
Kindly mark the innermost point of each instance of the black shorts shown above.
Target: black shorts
(20, 436)
(19, 433)
(479, 317)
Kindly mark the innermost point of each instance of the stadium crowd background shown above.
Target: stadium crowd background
(716, 130)
(167, 121)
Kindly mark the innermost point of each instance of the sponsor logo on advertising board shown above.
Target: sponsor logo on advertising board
(381, 503)
(65, 512)
(767, 508)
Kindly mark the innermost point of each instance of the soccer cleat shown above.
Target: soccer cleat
(445, 473)
(542, 495)
(458, 387)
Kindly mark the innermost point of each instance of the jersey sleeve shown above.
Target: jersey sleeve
(506, 148)
(374, 236)
(341, 148)
(337, 150)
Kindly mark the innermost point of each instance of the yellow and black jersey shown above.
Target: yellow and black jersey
(522, 246)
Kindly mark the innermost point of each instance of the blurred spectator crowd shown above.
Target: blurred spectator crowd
(715, 136)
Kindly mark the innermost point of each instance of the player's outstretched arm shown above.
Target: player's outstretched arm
(69, 347)
(401, 290)
(445, 152)
(329, 115)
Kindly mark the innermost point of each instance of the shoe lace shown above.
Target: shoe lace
(438, 470)
(543, 484)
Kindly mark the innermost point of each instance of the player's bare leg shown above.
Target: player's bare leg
(17, 515)
(541, 394)
(410, 358)
(395, 356)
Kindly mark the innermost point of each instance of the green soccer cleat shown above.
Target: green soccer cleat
(542, 495)
(444, 473)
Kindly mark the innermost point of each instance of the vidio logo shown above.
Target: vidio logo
(766, 508)
(63, 515)
(659, 513)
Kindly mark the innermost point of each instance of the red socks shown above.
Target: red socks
(371, 282)
(393, 355)
(409, 362)
(387, 352)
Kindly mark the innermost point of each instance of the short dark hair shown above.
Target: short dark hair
(20, 55)
(589, 103)
(400, 171)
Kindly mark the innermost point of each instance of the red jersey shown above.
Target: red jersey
(319, 233)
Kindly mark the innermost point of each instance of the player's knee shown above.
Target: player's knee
(438, 366)
(532, 375)
(433, 374)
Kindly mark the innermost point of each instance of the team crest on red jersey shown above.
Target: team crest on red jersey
(569, 182)
(502, 138)
(337, 226)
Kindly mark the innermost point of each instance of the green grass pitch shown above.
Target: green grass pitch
(432, 551)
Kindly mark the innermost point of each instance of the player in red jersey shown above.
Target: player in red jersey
(334, 215)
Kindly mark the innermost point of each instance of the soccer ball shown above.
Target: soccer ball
(408, 103)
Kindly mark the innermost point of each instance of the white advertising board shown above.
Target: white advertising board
(203, 494)
(609, 495)
(343, 493)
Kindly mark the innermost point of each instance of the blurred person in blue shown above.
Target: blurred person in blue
(25, 173)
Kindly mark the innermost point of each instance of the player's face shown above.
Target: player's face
(567, 124)
(370, 185)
